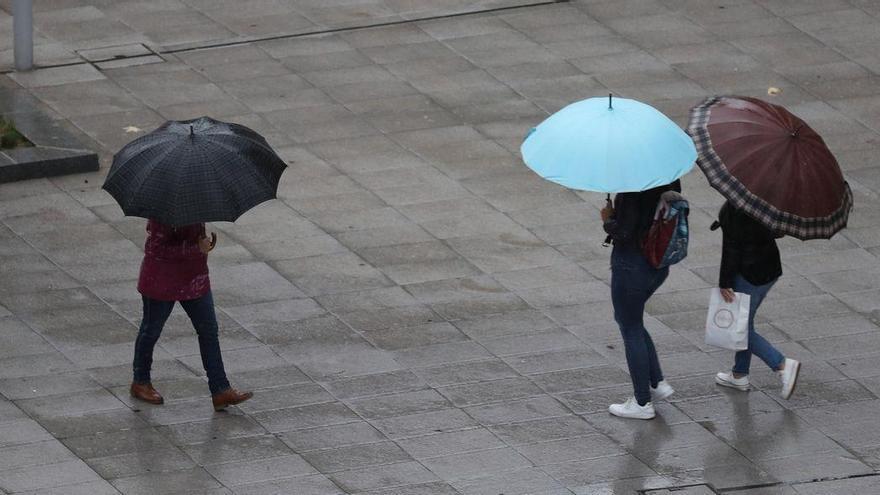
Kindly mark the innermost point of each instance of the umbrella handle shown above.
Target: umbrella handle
(608, 204)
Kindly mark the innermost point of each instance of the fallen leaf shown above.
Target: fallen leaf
(131, 128)
(773, 91)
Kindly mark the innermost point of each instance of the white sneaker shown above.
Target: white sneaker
(727, 380)
(662, 392)
(789, 377)
(631, 409)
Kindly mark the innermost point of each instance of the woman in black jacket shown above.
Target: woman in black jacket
(633, 281)
(750, 264)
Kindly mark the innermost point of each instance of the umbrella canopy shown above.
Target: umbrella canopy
(194, 171)
(609, 146)
(772, 165)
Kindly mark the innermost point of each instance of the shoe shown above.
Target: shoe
(789, 377)
(727, 380)
(229, 397)
(631, 409)
(662, 392)
(146, 393)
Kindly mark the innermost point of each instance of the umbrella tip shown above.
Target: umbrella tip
(609, 102)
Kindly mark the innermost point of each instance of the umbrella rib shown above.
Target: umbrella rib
(153, 170)
(147, 147)
(233, 150)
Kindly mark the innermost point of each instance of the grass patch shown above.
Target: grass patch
(10, 137)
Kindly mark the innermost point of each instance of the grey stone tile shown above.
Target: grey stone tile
(441, 444)
(141, 462)
(215, 428)
(167, 483)
(525, 321)
(317, 484)
(250, 283)
(378, 384)
(406, 403)
(331, 273)
(236, 450)
(242, 473)
(403, 337)
(522, 482)
(475, 464)
(270, 94)
(24, 431)
(74, 404)
(275, 311)
(36, 478)
(34, 454)
(92, 423)
(542, 430)
(473, 371)
(57, 76)
(330, 437)
(388, 476)
(578, 473)
(466, 297)
(287, 396)
(849, 486)
(437, 354)
(838, 463)
(357, 456)
(490, 391)
(118, 442)
(383, 325)
(544, 362)
(280, 420)
(530, 343)
(515, 411)
(426, 423)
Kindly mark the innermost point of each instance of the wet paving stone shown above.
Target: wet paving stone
(418, 313)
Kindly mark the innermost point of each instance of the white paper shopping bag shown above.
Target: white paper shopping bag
(727, 324)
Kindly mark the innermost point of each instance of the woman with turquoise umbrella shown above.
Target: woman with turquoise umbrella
(629, 148)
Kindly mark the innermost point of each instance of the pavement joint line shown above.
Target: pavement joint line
(358, 28)
(295, 35)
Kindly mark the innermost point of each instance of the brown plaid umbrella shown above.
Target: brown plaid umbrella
(772, 165)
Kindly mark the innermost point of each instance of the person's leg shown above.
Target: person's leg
(155, 315)
(655, 373)
(204, 320)
(628, 295)
(758, 345)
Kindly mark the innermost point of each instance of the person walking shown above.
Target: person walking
(175, 269)
(750, 265)
(633, 281)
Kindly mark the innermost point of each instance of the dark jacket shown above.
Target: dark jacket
(748, 249)
(634, 214)
(174, 268)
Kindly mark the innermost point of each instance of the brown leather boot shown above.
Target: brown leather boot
(229, 397)
(146, 393)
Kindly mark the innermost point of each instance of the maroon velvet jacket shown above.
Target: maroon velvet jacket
(174, 269)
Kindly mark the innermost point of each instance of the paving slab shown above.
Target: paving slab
(419, 313)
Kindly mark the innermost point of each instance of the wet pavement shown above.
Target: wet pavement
(418, 313)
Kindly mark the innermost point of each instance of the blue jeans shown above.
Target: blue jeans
(757, 345)
(201, 313)
(633, 281)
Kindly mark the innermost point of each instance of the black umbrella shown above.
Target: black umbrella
(194, 171)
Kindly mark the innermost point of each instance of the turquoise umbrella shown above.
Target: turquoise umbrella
(609, 146)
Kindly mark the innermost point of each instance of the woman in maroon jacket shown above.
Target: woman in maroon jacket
(175, 269)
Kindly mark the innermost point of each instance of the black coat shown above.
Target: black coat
(634, 214)
(748, 249)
